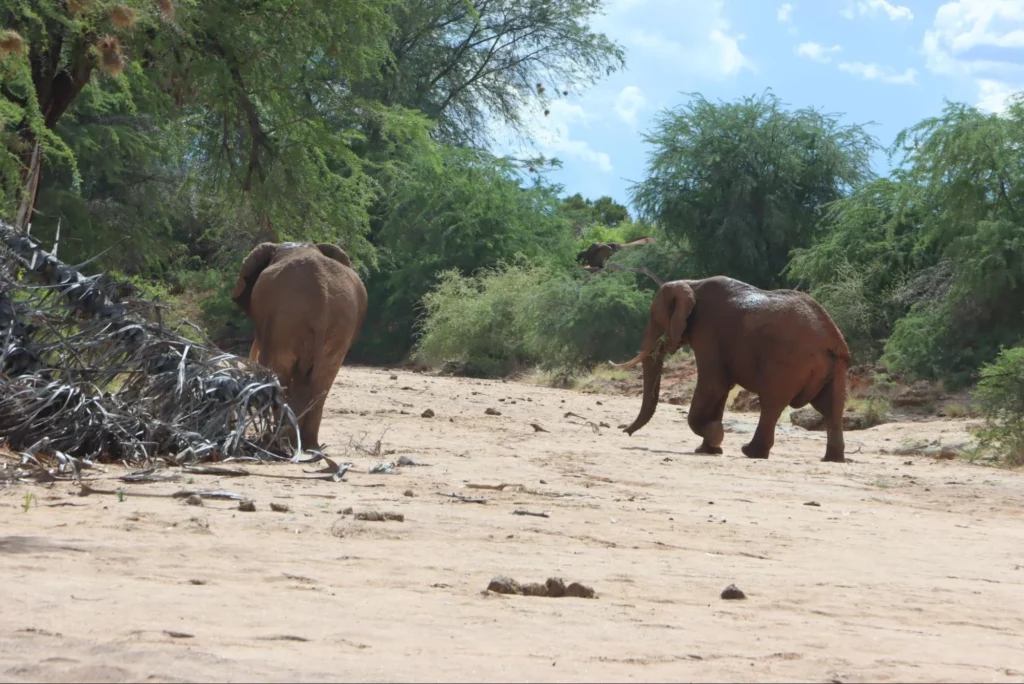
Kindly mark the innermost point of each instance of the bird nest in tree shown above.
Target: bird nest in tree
(86, 374)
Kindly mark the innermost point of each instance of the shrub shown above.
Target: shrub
(477, 322)
(845, 299)
(504, 319)
(580, 322)
(1000, 393)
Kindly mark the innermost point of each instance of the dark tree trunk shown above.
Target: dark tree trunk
(55, 91)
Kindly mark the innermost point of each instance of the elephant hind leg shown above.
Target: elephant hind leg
(830, 403)
(760, 445)
(706, 412)
(321, 379)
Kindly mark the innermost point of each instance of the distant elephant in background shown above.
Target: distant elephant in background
(778, 344)
(598, 253)
(307, 306)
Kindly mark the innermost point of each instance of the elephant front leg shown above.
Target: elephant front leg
(705, 417)
(764, 436)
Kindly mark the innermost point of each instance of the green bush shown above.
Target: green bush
(627, 231)
(580, 322)
(1000, 393)
(846, 300)
(477, 323)
(510, 317)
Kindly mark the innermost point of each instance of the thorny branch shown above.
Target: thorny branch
(85, 376)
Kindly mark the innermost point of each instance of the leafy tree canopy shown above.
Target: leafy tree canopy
(471, 64)
(746, 182)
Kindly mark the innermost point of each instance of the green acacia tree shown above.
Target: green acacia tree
(260, 93)
(464, 210)
(471, 64)
(743, 183)
(968, 168)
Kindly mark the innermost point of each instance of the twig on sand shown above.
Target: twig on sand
(207, 494)
(215, 470)
(463, 499)
(499, 487)
(523, 511)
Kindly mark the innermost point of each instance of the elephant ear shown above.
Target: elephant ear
(681, 301)
(259, 258)
(334, 252)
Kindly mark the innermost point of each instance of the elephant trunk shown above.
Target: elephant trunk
(653, 360)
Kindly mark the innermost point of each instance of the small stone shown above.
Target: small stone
(394, 377)
(733, 593)
(535, 589)
(492, 412)
(248, 506)
(577, 590)
(408, 492)
(197, 582)
(395, 517)
(555, 587)
(279, 507)
(429, 413)
(194, 500)
(373, 516)
(346, 511)
(813, 503)
(504, 585)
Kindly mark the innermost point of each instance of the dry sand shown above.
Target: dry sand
(911, 568)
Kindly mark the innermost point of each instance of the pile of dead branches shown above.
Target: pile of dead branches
(87, 372)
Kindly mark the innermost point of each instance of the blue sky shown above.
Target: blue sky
(885, 61)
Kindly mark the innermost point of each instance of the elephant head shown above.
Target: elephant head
(259, 258)
(262, 256)
(670, 310)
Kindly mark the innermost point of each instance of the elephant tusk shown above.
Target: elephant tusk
(632, 362)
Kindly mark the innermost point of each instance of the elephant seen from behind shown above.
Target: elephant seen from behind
(778, 344)
(307, 305)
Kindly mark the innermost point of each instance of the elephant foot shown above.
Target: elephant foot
(834, 458)
(750, 452)
(708, 449)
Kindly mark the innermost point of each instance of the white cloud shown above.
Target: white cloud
(630, 101)
(963, 28)
(877, 72)
(817, 52)
(979, 40)
(695, 38)
(993, 96)
(872, 8)
(719, 57)
(552, 137)
(785, 13)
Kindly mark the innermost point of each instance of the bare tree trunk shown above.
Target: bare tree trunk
(30, 187)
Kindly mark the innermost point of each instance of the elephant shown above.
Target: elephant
(307, 305)
(779, 344)
(598, 253)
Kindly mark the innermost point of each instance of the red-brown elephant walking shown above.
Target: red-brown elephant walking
(779, 344)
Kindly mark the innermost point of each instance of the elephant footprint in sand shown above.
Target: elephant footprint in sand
(778, 344)
(307, 305)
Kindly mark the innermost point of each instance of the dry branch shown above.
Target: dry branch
(85, 376)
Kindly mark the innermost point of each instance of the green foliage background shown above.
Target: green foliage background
(204, 128)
